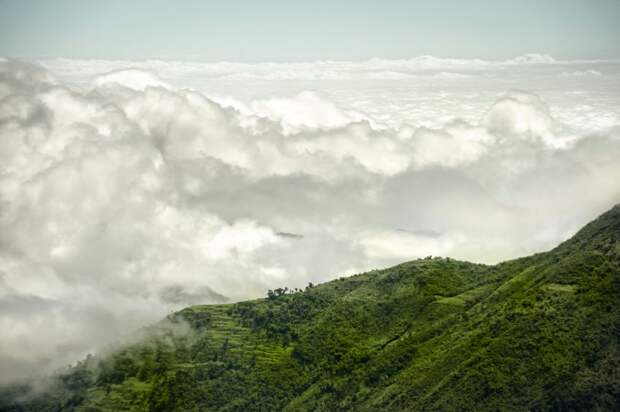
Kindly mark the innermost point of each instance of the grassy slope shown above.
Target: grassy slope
(537, 333)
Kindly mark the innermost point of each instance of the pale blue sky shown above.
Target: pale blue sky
(274, 30)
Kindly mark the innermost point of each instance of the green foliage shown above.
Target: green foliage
(536, 333)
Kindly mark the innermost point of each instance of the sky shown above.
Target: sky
(299, 30)
(213, 151)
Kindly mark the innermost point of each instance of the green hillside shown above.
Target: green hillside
(536, 333)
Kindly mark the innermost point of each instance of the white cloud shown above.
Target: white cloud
(305, 111)
(132, 78)
(520, 114)
(589, 72)
(373, 69)
(457, 144)
(532, 58)
(126, 195)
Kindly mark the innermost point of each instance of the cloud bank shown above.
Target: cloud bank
(126, 193)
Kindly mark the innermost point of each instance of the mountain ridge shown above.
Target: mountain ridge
(540, 332)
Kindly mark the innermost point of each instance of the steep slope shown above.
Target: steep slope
(536, 333)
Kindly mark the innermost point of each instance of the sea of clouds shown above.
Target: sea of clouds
(131, 189)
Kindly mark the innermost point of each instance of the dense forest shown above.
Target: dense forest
(535, 333)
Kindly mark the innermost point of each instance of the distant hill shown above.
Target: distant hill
(535, 333)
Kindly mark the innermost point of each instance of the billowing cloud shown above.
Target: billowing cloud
(127, 192)
(304, 111)
(588, 72)
(421, 68)
(521, 115)
(131, 78)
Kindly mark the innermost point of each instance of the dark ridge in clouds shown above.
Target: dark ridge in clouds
(176, 294)
(123, 196)
(290, 235)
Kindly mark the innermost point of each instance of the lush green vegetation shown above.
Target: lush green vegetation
(536, 333)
